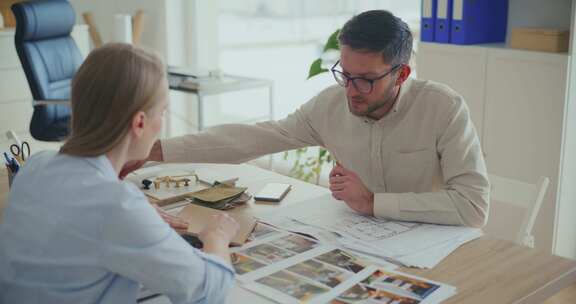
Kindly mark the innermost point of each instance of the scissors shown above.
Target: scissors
(21, 153)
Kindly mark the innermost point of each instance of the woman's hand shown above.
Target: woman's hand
(216, 236)
(222, 228)
(178, 224)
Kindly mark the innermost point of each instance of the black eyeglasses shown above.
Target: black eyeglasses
(362, 85)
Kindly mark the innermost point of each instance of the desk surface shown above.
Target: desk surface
(497, 271)
(484, 270)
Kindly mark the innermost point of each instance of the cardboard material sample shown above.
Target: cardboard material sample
(225, 204)
(217, 193)
(199, 217)
(540, 39)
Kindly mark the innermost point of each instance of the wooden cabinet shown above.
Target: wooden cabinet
(517, 101)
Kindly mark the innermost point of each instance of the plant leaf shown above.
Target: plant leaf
(316, 68)
(332, 43)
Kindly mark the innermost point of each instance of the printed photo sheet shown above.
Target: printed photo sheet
(291, 268)
(300, 284)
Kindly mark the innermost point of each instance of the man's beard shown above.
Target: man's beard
(390, 97)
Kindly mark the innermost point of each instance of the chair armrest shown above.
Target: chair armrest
(51, 102)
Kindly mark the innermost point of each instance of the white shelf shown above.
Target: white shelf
(486, 46)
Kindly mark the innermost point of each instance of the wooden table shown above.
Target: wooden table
(484, 270)
(3, 190)
(497, 271)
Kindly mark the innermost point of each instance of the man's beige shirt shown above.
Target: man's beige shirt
(422, 160)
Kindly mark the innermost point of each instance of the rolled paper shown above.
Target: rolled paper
(123, 28)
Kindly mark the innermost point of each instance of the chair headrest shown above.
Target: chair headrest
(36, 20)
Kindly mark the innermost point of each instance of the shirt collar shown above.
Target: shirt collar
(103, 165)
(400, 100)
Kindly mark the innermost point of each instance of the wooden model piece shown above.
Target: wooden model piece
(186, 182)
(163, 179)
(172, 179)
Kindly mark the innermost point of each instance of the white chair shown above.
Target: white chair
(509, 199)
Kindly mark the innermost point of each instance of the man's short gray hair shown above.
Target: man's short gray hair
(379, 31)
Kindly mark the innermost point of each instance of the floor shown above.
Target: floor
(567, 295)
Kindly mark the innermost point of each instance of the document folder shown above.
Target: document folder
(443, 20)
(476, 21)
(428, 22)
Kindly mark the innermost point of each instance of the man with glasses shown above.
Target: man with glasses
(406, 148)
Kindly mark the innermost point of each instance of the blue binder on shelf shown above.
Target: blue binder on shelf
(476, 21)
(443, 21)
(428, 21)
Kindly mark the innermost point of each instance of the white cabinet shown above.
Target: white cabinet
(15, 98)
(462, 68)
(517, 102)
(525, 98)
(523, 113)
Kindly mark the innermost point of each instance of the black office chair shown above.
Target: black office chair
(50, 58)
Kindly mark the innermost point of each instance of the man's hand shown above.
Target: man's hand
(347, 186)
(155, 155)
(178, 224)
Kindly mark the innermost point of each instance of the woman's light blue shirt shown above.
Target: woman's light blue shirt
(73, 233)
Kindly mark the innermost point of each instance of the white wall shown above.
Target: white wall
(182, 32)
(565, 229)
(533, 14)
(203, 39)
(154, 36)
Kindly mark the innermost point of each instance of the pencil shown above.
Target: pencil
(335, 161)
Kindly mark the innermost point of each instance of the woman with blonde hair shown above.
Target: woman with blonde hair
(74, 233)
